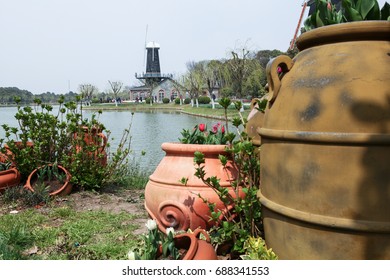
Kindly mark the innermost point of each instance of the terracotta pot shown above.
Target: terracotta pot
(19, 145)
(325, 150)
(95, 136)
(56, 187)
(255, 121)
(197, 249)
(173, 204)
(10, 177)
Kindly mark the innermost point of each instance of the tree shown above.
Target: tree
(87, 91)
(264, 56)
(253, 86)
(193, 80)
(116, 87)
(240, 66)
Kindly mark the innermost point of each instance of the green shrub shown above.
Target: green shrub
(177, 101)
(147, 100)
(165, 100)
(204, 100)
(64, 138)
(256, 249)
(187, 100)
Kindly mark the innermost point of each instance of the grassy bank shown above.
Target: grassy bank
(204, 110)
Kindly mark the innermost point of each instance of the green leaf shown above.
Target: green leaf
(374, 13)
(319, 21)
(385, 12)
(350, 13)
(366, 6)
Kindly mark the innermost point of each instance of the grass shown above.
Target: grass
(64, 234)
(205, 110)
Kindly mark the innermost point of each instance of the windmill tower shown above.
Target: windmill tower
(153, 74)
(152, 60)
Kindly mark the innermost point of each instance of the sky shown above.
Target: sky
(56, 45)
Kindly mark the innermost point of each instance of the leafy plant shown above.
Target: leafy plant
(243, 220)
(155, 243)
(65, 138)
(200, 135)
(256, 249)
(5, 165)
(352, 10)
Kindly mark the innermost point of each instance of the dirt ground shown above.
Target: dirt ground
(130, 201)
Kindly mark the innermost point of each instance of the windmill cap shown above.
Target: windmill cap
(152, 45)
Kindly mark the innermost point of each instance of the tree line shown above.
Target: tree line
(241, 75)
(8, 94)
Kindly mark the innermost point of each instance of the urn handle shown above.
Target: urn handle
(276, 68)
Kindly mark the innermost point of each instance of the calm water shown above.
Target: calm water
(148, 130)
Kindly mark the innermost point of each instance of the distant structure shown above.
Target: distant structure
(155, 84)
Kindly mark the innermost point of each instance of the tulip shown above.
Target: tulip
(329, 6)
(223, 129)
(170, 230)
(131, 255)
(202, 127)
(151, 224)
(215, 129)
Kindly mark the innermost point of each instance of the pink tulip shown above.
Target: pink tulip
(329, 6)
(215, 128)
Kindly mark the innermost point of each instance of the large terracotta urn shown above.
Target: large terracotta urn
(181, 206)
(325, 154)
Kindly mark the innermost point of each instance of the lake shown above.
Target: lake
(148, 130)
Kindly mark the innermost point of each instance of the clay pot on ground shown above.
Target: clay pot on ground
(57, 186)
(173, 204)
(9, 177)
(196, 248)
(325, 151)
(94, 136)
(19, 145)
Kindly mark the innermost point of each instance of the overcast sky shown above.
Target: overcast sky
(56, 45)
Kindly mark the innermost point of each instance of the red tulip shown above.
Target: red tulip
(202, 127)
(223, 129)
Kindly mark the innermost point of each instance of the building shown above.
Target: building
(155, 83)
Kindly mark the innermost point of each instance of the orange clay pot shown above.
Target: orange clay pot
(56, 187)
(197, 249)
(20, 145)
(173, 204)
(8, 178)
(96, 137)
